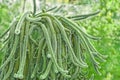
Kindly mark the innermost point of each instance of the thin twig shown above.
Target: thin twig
(23, 9)
(34, 7)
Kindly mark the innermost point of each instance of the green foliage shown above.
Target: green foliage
(4, 17)
(106, 25)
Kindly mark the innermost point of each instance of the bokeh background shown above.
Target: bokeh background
(105, 25)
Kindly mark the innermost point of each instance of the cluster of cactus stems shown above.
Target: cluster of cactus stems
(45, 46)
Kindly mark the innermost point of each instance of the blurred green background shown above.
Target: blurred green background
(105, 25)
